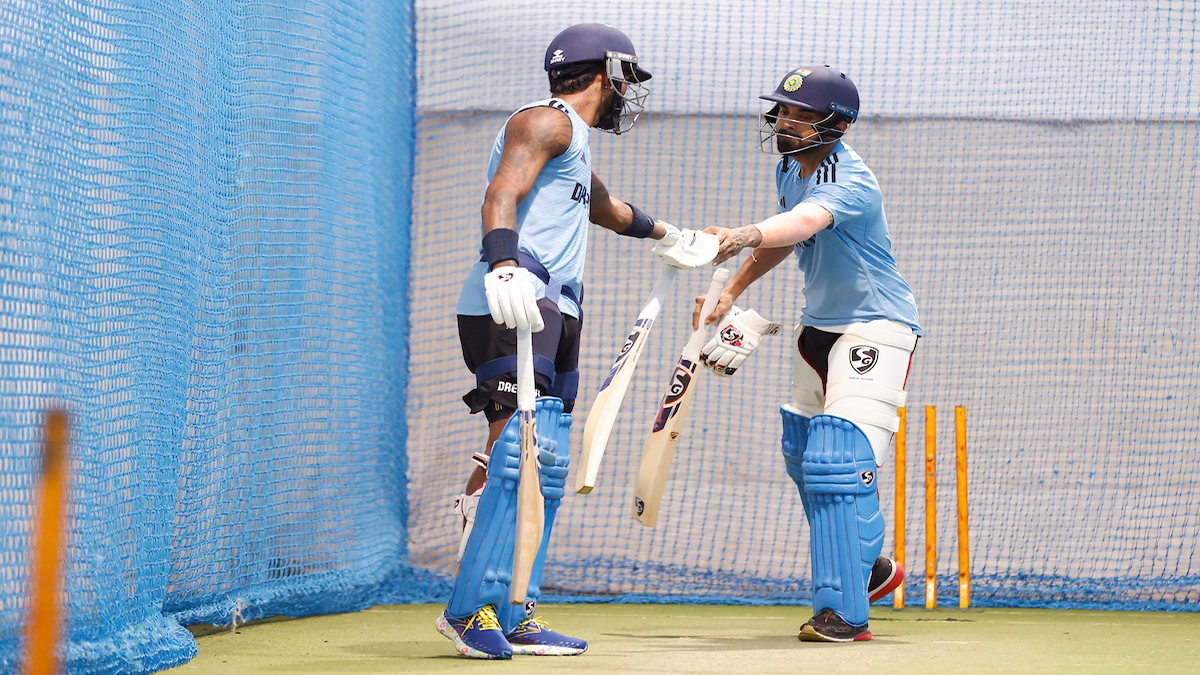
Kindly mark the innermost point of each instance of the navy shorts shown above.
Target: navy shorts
(483, 340)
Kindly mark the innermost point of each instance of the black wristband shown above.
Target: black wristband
(642, 225)
(499, 245)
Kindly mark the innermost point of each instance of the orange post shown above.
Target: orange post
(901, 496)
(960, 466)
(43, 626)
(930, 508)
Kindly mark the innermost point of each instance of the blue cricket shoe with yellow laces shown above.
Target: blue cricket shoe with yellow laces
(477, 636)
(532, 637)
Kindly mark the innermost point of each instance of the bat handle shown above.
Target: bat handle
(526, 387)
(695, 343)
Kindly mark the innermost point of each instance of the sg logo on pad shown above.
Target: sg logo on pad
(863, 358)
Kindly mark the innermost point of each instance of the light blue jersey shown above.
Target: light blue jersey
(552, 220)
(850, 275)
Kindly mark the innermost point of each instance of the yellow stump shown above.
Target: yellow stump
(930, 508)
(43, 626)
(901, 464)
(960, 465)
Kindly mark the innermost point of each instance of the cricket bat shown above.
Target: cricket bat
(660, 445)
(531, 511)
(603, 413)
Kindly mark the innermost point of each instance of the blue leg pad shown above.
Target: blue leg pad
(485, 574)
(554, 434)
(847, 527)
(795, 438)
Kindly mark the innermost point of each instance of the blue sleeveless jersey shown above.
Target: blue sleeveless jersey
(850, 275)
(552, 220)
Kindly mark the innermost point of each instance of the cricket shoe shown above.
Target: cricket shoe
(827, 626)
(477, 636)
(886, 576)
(532, 637)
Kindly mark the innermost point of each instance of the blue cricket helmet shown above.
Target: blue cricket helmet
(817, 88)
(591, 43)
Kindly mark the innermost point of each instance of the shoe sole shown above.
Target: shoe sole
(443, 626)
(809, 634)
(546, 650)
(892, 583)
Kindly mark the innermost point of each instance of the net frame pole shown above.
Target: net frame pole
(44, 627)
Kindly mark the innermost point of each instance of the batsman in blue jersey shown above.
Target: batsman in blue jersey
(541, 197)
(854, 343)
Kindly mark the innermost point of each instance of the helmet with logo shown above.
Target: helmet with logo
(587, 44)
(820, 89)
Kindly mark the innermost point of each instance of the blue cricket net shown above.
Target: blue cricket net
(204, 212)
(1039, 170)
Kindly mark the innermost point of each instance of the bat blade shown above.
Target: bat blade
(603, 413)
(531, 512)
(659, 450)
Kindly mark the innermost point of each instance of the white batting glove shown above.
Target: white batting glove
(511, 298)
(737, 335)
(687, 249)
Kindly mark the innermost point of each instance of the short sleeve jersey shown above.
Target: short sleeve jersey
(552, 220)
(850, 275)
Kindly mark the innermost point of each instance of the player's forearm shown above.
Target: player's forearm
(792, 227)
(763, 260)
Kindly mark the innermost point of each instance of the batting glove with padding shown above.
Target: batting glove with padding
(511, 298)
(737, 335)
(687, 249)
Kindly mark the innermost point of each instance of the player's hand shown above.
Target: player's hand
(511, 298)
(723, 304)
(733, 240)
(737, 336)
(686, 249)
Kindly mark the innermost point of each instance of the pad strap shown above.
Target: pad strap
(872, 390)
(885, 333)
(563, 385)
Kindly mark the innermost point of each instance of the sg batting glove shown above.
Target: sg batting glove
(687, 249)
(511, 298)
(738, 333)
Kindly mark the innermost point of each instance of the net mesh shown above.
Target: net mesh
(1039, 172)
(204, 208)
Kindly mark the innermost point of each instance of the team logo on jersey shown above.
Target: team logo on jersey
(557, 57)
(863, 358)
(867, 477)
(796, 80)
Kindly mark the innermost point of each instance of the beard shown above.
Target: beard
(788, 145)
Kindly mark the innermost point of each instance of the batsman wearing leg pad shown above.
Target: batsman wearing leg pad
(527, 634)
(847, 527)
(486, 569)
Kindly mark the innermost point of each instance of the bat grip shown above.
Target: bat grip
(695, 343)
(526, 387)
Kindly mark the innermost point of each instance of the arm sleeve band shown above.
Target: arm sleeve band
(642, 225)
(788, 228)
(499, 245)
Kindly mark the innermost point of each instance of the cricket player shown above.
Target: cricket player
(541, 196)
(854, 342)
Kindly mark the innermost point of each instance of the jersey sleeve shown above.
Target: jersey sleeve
(846, 200)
